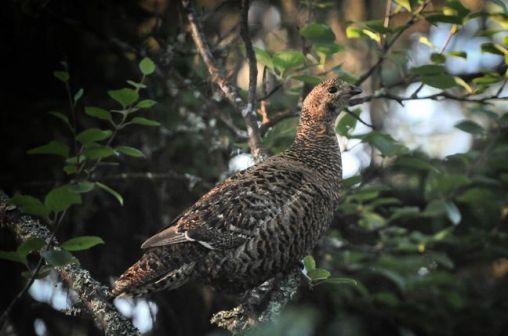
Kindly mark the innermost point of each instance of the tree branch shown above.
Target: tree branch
(435, 96)
(231, 92)
(91, 293)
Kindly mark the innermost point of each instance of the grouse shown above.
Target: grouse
(258, 223)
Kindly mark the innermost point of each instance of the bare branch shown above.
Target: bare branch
(230, 91)
(435, 96)
(91, 293)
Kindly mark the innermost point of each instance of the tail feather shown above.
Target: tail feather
(152, 273)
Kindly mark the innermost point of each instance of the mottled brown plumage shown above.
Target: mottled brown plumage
(259, 222)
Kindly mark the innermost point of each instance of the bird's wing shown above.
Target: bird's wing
(228, 214)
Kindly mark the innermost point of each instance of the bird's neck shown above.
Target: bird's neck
(316, 146)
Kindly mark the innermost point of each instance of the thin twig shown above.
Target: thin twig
(388, 45)
(435, 96)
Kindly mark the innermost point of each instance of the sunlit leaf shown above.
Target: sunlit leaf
(309, 263)
(318, 274)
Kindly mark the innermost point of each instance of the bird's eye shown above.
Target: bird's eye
(332, 89)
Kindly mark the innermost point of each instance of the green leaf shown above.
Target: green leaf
(470, 126)
(62, 117)
(453, 213)
(70, 169)
(147, 103)
(494, 48)
(477, 195)
(383, 142)
(52, 148)
(78, 95)
(147, 66)
(442, 81)
(93, 135)
(130, 151)
(309, 263)
(264, 58)
(104, 187)
(58, 257)
(437, 58)
(12, 256)
(342, 281)
(30, 245)
(98, 152)
(61, 198)
(144, 122)
(81, 243)
(347, 123)
(286, 60)
(376, 26)
(318, 274)
(62, 76)
(136, 85)
(125, 96)
(404, 212)
(30, 205)
(312, 80)
(82, 187)
(328, 49)
(318, 33)
(371, 221)
(453, 19)
(487, 79)
(460, 54)
(98, 112)
(428, 69)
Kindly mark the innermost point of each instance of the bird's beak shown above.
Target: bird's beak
(355, 91)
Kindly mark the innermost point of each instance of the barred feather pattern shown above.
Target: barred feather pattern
(259, 222)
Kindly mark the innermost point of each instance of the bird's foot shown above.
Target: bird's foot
(235, 320)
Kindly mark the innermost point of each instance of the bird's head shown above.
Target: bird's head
(327, 99)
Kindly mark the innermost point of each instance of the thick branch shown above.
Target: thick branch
(91, 293)
(231, 92)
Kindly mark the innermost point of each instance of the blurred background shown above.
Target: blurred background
(423, 227)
